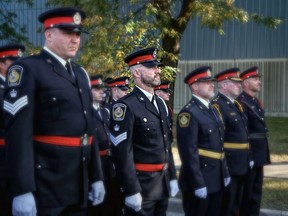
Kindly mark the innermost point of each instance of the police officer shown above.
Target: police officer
(139, 129)
(113, 202)
(258, 136)
(8, 54)
(119, 87)
(52, 155)
(236, 142)
(163, 91)
(200, 131)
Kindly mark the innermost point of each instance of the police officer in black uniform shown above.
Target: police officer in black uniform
(8, 54)
(113, 201)
(200, 133)
(163, 91)
(53, 156)
(258, 136)
(119, 87)
(236, 142)
(139, 131)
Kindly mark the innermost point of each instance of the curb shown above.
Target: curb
(175, 209)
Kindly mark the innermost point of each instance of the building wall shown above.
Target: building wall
(241, 41)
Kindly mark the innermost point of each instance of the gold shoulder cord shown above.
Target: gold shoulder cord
(239, 106)
(217, 108)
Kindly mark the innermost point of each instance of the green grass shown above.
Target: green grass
(278, 138)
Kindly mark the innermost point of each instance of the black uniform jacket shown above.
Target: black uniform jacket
(102, 120)
(140, 134)
(197, 128)
(258, 132)
(235, 133)
(3, 168)
(43, 99)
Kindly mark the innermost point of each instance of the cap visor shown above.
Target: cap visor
(152, 64)
(124, 88)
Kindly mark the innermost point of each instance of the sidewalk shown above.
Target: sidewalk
(175, 209)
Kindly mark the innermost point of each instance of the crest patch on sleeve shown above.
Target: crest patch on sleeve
(184, 119)
(15, 75)
(119, 111)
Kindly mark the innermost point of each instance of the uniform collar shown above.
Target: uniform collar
(148, 94)
(204, 102)
(61, 60)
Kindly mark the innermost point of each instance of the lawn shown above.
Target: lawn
(278, 138)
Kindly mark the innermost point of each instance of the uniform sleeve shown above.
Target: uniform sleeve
(121, 136)
(18, 116)
(187, 141)
(96, 172)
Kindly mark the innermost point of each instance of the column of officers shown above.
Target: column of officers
(223, 143)
(63, 153)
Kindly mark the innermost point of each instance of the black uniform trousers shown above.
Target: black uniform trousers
(194, 206)
(5, 199)
(149, 208)
(253, 192)
(72, 210)
(233, 195)
(113, 202)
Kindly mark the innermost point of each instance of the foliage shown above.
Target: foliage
(116, 30)
(11, 31)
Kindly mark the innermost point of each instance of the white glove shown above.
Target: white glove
(173, 187)
(24, 205)
(201, 193)
(251, 164)
(134, 201)
(227, 181)
(97, 193)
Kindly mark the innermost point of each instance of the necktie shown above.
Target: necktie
(69, 69)
(154, 102)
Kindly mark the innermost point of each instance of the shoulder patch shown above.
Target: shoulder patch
(184, 119)
(119, 111)
(15, 75)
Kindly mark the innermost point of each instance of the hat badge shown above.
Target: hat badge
(208, 72)
(154, 53)
(127, 81)
(100, 81)
(19, 53)
(77, 18)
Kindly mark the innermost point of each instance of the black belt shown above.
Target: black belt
(258, 135)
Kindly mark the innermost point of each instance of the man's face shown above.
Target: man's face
(4, 65)
(63, 43)
(164, 94)
(204, 89)
(232, 88)
(254, 84)
(119, 93)
(150, 76)
(97, 94)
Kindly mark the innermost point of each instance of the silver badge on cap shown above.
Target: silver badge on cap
(208, 72)
(154, 53)
(19, 53)
(77, 18)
